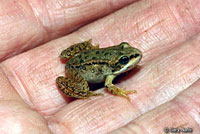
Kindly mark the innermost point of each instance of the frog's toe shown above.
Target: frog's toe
(120, 92)
(60, 80)
(91, 93)
(129, 92)
(125, 95)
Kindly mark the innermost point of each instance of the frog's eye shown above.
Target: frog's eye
(124, 45)
(124, 60)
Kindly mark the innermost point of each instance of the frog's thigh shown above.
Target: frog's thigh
(77, 48)
(80, 84)
(68, 87)
(115, 90)
(74, 85)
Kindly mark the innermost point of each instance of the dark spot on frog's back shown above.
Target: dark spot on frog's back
(83, 67)
(94, 58)
(106, 54)
(80, 56)
(81, 61)
(77, 67)
(85, 52)
(71, 48)
(97, 52)
(86, 57)
(120, 53)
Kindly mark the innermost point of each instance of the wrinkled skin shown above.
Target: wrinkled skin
(167, 83)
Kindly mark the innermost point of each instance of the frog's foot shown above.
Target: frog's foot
(128, 92)
(120, 92)
(91, 93)
(75, 88)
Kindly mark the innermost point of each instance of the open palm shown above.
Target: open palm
(167, 84)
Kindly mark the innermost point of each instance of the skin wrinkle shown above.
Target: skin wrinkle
(184, 71)
(195, 116)
(143, 20)
(18, 22)
(190, 99)
(7, 91)
(176, 19)
(45, 28)
(75, 3)
(26, 96)
(180, 107)
(85, 113)
(186, 11)
(174, 16)
(183, 106)
(13, 104)
(141, 25)
(171, 80)
(180, 16)
(185, 79)
(146, 30)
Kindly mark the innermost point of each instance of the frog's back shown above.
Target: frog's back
(93, 65)
(104, 54)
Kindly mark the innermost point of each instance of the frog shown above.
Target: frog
(87, 63)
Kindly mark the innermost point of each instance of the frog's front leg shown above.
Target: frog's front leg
(77, 48)
(75, 85)
(115, 90)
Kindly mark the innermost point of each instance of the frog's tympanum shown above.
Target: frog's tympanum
(91, 64)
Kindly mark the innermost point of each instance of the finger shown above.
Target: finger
(16, 116)
(157, 83)
(182, 112)
(26, 24)
(153, 26)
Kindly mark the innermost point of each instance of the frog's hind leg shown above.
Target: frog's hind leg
(74, 85)
(64, 84)
(77, 48)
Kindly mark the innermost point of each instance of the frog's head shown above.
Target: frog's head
(127, 59)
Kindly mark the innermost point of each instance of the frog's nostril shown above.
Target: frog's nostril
(134, 56)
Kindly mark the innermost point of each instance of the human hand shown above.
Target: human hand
(167, 83)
